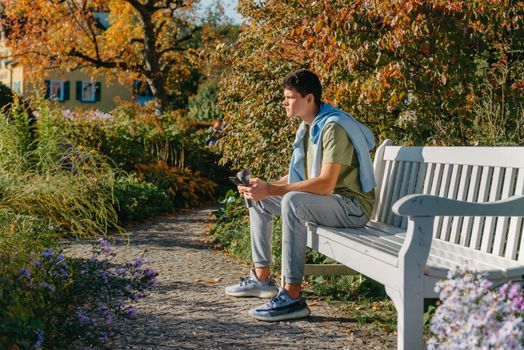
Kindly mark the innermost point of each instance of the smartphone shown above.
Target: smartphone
(234, 180)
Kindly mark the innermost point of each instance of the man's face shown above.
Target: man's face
(295, 104)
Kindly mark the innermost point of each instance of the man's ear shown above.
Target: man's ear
(310, 98)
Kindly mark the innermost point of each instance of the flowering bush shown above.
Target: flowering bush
(187, 188)
(93, 114)
(472, 316)
(58, 302)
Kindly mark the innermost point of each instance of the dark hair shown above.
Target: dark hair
(304, 82)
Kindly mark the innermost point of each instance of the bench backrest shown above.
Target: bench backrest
(476, 174)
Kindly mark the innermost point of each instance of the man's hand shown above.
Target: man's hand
(258, 190)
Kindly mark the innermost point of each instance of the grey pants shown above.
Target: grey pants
(296, 209)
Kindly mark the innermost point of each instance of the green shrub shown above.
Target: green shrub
(139, 200)
(203, 105)
(230, 231)
(70, 188)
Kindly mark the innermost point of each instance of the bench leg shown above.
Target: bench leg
(410, 319)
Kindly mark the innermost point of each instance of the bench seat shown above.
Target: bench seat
(383, 242)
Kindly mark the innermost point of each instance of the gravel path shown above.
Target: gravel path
(189, 310)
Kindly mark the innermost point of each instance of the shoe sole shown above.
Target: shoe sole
(291, 316)
(254, 293)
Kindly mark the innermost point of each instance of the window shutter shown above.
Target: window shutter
(98, 91)
(67, 87)
(47, 84)
(79, 91)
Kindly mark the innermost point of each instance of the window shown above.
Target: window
(16, 87)
(56, 90)
(141, 89)
(88, 91)
(142, 92)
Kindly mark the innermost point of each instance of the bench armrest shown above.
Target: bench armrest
(423, 205)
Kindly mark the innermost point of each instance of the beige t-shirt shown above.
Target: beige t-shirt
(338, 148)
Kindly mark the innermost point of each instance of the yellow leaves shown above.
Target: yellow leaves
(318, 26)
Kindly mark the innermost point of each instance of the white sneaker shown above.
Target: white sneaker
(251, 287)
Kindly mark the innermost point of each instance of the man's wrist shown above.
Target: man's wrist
(276, 189)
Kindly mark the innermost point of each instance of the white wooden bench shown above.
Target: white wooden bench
(428, 219)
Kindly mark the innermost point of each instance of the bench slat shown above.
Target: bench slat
(456, 255)
(452, 193)
(414, 179)
(443, 255)
(388, 200)
(387, 241)
(384, 189)
(476, 255)
(478, 222)
(438, 266)
(396, 235)
(467, 222)
(489, 224)
(434, 189)
(406, 179)
(380, 171)
(475, 156)
(461, 195)
(515, 228)
(394, 196)
(376, 252)
(428, 179)
(445, 191)
(501, 229)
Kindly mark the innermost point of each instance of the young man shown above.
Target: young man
(330, 182)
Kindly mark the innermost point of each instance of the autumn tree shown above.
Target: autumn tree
(153, 40)
(416, 71)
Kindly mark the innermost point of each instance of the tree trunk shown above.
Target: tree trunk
(154, 75)
(160, 95)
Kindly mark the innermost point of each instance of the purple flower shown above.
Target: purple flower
(104, 244)
(64, 273)
(135, 296)
(131, 312)
(104, 336)
(39, 338)
(121, 272)
(48, 253)
(472, 316)
(82, 316)
(503, 290)
(138, 262)
(47, 286)
(105, 277)
(26, 273)
(514, 291)
(109, 319)
(102, 309)
(149, 272)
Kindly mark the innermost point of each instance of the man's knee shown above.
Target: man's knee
(295, 202)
